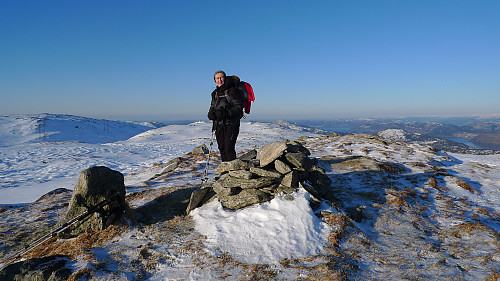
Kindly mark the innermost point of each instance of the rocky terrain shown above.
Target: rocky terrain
(404, 211)
(437, 142)
(450, 134)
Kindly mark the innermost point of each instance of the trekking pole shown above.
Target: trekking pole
(205, 173)
(197, 195)
(58, 230)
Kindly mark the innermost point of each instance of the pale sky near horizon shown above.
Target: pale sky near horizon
(154, 60)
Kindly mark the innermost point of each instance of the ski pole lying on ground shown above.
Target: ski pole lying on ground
(58, 230)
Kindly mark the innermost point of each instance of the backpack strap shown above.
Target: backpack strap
(226, 95)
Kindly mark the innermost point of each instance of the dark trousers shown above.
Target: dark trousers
(226, 136)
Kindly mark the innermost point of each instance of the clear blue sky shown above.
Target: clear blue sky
(154, 60)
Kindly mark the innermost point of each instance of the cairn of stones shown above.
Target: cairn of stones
(276, 168)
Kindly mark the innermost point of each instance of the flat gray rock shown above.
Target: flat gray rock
(270, 152)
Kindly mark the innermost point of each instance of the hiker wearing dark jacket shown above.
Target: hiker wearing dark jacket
(225, 111)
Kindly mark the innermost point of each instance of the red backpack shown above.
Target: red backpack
(247, 92)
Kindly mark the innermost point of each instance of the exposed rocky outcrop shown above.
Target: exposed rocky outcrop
(258, 176)
(202, 149)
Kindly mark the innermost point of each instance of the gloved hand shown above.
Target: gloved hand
(211, 115)
(221, 114)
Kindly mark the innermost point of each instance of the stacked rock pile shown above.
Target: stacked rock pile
(258, 176)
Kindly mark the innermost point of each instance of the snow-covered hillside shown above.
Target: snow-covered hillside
(399, 211)
(18, 129)
(33, 163)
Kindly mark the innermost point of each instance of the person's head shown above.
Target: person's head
(219, 77)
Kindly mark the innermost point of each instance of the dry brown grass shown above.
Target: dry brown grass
(391, 168)
(432, 182)
(483, 211)
(408, 192)
(397, 201)
(493, 277)
(488, 212)
(81, 274)
(339, 220)
(80, 245)
(323, 272)
(329, 270)
(419, 164)
(463, 184)
(439, 170)
(469, 227)
(260, 272)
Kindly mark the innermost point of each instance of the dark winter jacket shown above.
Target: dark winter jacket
(226, 106)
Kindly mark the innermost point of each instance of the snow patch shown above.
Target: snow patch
(265, 233)
(393, 134)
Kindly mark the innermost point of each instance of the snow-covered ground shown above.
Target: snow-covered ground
(35, 163)
(288, 228)
(39, 153)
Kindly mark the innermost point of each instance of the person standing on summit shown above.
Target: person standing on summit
(225, 111)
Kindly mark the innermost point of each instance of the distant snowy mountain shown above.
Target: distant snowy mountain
(17, 129)
(305, 128)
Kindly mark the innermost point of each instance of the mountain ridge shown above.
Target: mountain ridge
(483, 134)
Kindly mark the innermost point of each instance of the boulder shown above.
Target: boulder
(202, 149)
(95, 185)
(196, 198)
(352, 164)
(167, 168)
(172, 165)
